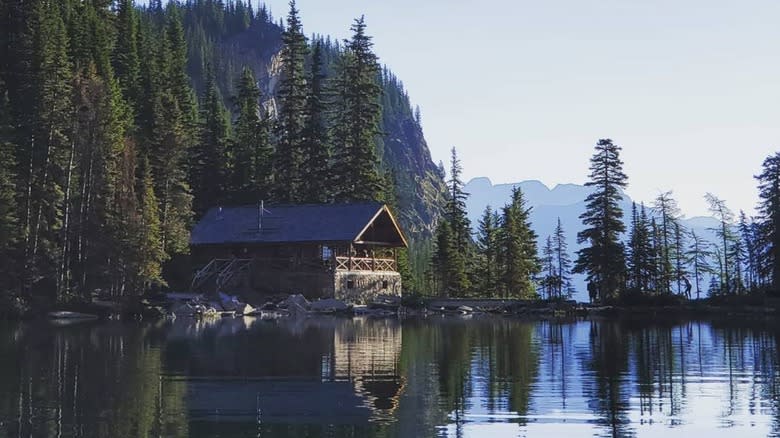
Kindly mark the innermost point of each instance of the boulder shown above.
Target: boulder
(296, 299)
(296, 304)
(244, 309)
(328, 305)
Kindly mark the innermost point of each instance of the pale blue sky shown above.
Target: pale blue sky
(689, 88)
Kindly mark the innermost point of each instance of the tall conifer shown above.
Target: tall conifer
(727, 238)
(209, 158)
(126, 59)
(487, 247)
(356, 125)
(668, 215)
(456, 206)
(518, 248)
(50, 142)
(548, 271)
(150, 238)
(251, 149)
(8, 213)
(698, 257)
(292, 111)
(769, 214)
(315, 184)
(563, 286)
(603, 257)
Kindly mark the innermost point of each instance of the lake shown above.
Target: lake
(363, 377)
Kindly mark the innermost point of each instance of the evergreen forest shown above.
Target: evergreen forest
(642, 257)
(121, 124)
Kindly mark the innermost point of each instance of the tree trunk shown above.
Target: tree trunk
(64, 268)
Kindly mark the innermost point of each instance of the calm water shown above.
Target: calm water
(488, 377)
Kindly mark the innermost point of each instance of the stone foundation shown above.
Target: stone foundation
(361, 287)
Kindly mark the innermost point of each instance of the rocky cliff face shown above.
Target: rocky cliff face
(420, 188)
(403, 150)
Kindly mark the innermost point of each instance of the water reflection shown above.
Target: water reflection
(386, 378)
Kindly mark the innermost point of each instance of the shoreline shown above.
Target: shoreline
(736, 306)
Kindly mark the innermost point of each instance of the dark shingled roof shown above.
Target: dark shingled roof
(284, 223)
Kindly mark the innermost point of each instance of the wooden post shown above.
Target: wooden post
(350, 250)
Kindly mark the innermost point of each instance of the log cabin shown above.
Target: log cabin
(345, 251)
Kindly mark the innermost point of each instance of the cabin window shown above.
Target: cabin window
(350, 284)
(384, 284)
(327, 252)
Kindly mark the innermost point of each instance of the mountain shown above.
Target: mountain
(256, 42)
(564, 201)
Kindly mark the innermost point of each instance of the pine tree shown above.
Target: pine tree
(549, 273)
(518, 248)
(209, 159)
(654, 259)
(736, 253)
(563, 286)
(169, 125)
(315, 186)
(177, 80)
(456, 206)
(448, 263)
(668, 214)
(126, 60)
(168, 158)
(648, 261)
(456, 267)
(357, 116)
(487, 248)
(769, 217)
(123, 222)
(641, 265)
(150, 238)
(603, 260)
(48, 155)
(727, 237)
(698, 257)
(101, 187)
(8, 214)
(750, 245)
(680, 273)
(634, 259)
(251, 150)
(292, 113)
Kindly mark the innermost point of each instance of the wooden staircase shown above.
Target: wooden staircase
(223, 273)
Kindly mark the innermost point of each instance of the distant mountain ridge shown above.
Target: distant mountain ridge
(565, 201)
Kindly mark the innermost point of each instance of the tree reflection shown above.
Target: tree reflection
(333, 377)
(84, 381)
(608, 361)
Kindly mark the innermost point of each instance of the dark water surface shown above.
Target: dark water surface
(323, 377)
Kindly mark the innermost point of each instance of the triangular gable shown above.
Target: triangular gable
(382, 229)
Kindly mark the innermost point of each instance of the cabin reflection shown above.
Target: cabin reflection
(311, 371)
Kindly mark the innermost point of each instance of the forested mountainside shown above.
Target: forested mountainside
(228, 38)
(121, 124)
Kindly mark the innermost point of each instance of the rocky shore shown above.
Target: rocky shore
(294, 306)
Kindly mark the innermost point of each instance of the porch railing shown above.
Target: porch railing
(364, 264)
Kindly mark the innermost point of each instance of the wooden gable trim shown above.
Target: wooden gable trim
(392, 219)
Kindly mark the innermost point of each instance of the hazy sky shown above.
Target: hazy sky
(523, 89)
